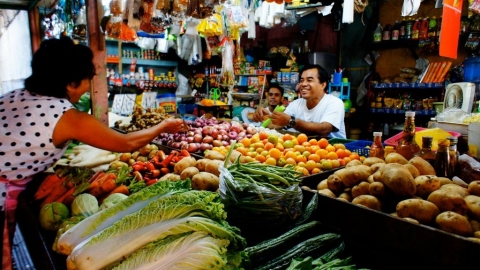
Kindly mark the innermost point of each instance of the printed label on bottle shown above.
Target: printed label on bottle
(395, 34)
(377, 37)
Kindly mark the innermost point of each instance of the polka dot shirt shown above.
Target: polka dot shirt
(26, 127)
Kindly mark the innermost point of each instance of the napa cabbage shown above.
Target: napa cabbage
(111, 200)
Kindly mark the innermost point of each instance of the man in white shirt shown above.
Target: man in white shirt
(316, 112)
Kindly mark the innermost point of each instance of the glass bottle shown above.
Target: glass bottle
(396, 31)
(377, 35)
(442, 160)
(387, 32)
(453, 156)
(426, 153)
(376, 150)
(407, 146)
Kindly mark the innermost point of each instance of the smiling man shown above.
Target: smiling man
(316, 112)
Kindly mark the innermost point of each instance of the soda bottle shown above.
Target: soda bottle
(432, 28)
(396, 31)
(415, 29)
(402, 32)
(423, 31)
(377, 35)
(408, 29)
(387, 32)
(376, 150)
(407, 146)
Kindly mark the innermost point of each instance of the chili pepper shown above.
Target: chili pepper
(155, 173)
(169, 158)
(138, 167)
(137, 175)
(184, 153)
(150, 166)
(165, 170)
(151, 181)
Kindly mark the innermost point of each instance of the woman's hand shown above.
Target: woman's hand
(172, 125)
(280, 119)
(260, 114)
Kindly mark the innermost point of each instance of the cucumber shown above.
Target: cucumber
(300, 251)
(272, 246)
(309, 210)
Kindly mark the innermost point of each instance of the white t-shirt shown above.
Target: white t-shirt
(330, 109)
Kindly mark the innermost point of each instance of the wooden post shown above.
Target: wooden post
(35, 32)
(96, 42)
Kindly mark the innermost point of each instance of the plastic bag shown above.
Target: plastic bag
(469, 168)
(255, 207)
(227, 76)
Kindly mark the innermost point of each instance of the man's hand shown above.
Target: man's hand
(260, 114)
(280, 119)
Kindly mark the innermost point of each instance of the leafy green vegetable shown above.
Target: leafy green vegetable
(84, 204)
(112, 199)
(102, 219)
(197, 250)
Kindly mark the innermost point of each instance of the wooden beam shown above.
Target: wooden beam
(35, 31)
(96, 42)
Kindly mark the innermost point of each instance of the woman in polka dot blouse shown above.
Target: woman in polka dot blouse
(38, 122)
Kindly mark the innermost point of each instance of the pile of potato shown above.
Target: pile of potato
(408, 189)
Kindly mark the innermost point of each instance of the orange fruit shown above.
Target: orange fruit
(246, 142)
(259, 150)
(347, 152)
(275, 153)
(339, 146)
(310, 165)
(288, 144)
(313, 141)
(264, 153)
(330, 148)
(269, 146)
(299, 148)
(306, 144)
(242, 150)
(252, 154)
(313, 148)
(260, 158)
(314, 157)
(290, 154)
(323, 143)
(271, 161)
(316, 170)
(263, 135)
(347, 159)
(255, 138)
(306, 154)
(342, 162)
(287, 137)
(302, 170)
(302, 164)
(354, 156)
(322, 153)
(362, 158)
(332, 156)
(335, 163)
(340, 153)
(301, 138)
(301, 158)
(290, 161)
(280, 147)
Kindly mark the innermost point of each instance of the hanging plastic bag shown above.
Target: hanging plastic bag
(227, 76)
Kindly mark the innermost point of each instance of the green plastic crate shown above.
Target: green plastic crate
(338, 140)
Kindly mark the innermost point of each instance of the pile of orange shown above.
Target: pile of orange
(309, 156)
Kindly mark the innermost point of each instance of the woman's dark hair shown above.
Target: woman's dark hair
(57, 64)
(276, 85)
(323, 75)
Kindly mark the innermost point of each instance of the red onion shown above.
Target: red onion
(207, 130)
(232, 135)
(205, 146)
(197, 138)
(214, 132)
(251, 130)
(217, 143)
(207, 139)
(219, 137)
(192, 147)
(225, 143)
(176, 145)
(189, 139)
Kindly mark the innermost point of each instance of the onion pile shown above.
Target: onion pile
(204, 134)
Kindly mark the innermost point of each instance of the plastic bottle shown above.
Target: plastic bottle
(408, 29)
(377, 35)
(432, 28)
(407, 146)
(453, 156)
(442, 160)
(386, 129)
(423, 30)
(426, 153)
(403, 30)
(415, 29)
(376, 150)
(396, 31)
(387, 32)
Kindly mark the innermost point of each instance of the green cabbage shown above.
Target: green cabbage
(52, 215)
(112, 200)
(84, 204)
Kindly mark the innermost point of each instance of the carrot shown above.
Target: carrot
(67, 198)
(444, 72)
(108, 186)
(56, 193)
(47, 186)
(120, 189)
(99, 180)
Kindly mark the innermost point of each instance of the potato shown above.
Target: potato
(322, 185)
(395, 158)
(212, 167)
(474, 239)
(418, 209)
(353, 162)
(476, 234)
(170, 177)
(398, 179)
(473, 204)
(422, 166)
(234, 155)
(334, 183)
(189, 173)
(411, 220)
(454, 223)
(368, 201)
(201, 163)
(353, 175)
(474, 188)
(376, 189)
(212, 154)
(360, 189)
(327, 192)
(342, 199)
(183, 164)
(377, 166)
(372, 160)
(412, 169)
(475, 225)
(447, 200)
(205, 181)
(426, 184)
(444, 181)
(457, 189)
(345, 195)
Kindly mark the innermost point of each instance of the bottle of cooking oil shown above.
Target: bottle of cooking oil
(376, 150)
(407, 147)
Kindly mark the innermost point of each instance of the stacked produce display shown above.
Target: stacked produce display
(249, 200)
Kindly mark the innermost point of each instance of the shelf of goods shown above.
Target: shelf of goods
(250, 87)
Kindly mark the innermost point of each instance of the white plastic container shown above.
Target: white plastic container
(474, 140)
